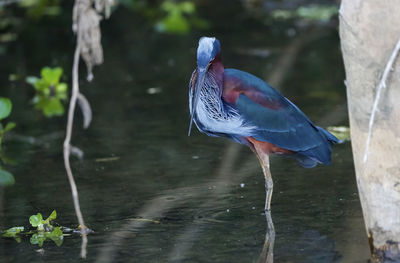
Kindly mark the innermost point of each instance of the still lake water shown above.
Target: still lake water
(151, 193)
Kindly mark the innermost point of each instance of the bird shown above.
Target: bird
(235, 104)
(238, 105)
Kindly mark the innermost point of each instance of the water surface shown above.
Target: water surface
(166, 197)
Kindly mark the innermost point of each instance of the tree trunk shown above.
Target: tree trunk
(369, 32)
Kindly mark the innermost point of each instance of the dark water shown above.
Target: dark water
(166, 197)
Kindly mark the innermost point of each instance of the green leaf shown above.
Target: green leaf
(61, 87)
(6, 178)
(187, 7)
(9, 126)
(57, 232)
(52, 216)
(5, 107)
(174, 23)
(51, 76)
(168, 6)
(43, 87)
(49, 91)
(61, 91)
(53, 107)
(12, 232)
(56, 235)
(36, 220)
(37, 239)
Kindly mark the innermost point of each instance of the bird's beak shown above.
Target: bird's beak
(201, 74)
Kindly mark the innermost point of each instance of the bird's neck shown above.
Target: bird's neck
(217, 70)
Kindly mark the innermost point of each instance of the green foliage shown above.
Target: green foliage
(42, 225)
(13, 232)
(176, 20)
(317, 13)
(5, 108)
(44, 230)
(50, 92)
(38, 8)
(56, 235)
(6, 178)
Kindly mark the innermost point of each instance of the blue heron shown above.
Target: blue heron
(235, 104)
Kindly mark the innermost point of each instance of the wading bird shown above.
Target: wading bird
(237, 105)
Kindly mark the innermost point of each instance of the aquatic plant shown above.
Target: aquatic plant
(6, 178)
(43, 230)
(50, 92)
(5, 110)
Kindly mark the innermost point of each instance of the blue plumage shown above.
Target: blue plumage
(235, 104)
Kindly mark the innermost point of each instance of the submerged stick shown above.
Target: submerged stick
(381, 86)
(67, 147)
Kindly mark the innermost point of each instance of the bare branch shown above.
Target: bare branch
(75, 151)
(86, 110)
(67, 145)
(86, 24)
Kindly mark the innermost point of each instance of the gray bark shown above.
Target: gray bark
(369, 32)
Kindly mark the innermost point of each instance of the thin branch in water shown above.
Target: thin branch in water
(86, 110)
(381, 86)
(75, 151)
(86, 24)
(67, 148)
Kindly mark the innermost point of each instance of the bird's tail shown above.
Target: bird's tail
(305, 161)
(320, 154)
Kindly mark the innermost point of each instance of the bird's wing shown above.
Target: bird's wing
(277, 120)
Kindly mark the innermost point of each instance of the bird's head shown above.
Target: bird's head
(209, 48)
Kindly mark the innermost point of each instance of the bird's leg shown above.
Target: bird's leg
(269, 184)
(267, 252)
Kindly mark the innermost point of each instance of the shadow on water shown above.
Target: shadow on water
(164, 197)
